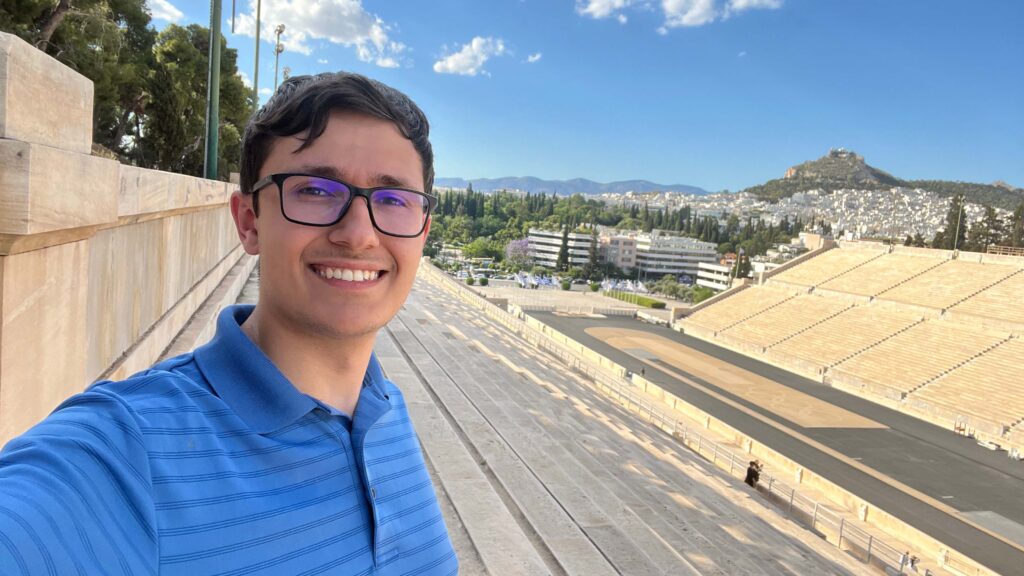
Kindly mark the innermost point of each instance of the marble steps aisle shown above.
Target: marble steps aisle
(707, 547)
(782, 548)
(587, 486)
(545, 458)
(530, 445)
(533, 505)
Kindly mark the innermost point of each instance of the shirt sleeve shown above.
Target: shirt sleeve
(75, 493)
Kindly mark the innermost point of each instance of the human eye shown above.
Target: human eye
(313, 192)
(392, 198)
(314, 189)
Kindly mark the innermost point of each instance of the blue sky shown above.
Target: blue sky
(721, 94)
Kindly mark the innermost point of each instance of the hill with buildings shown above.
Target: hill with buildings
(564, 187)
(844, 169)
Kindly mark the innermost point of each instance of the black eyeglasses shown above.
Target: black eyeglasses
(321, 201)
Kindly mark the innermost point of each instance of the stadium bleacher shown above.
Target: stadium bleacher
(948, 284)
(828, 265)
(738, 308)
(786, 320)
(989, 387)
(846, 334)
(1000, 301)
(917, 355)
(936, 334)
(881, 274)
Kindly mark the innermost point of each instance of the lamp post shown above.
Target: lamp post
(959, 217)
(277, 51)
(213, 94)
(256, 66)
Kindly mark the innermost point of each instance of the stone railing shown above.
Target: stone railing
(101, 265)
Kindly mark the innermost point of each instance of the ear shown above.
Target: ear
(245, 221)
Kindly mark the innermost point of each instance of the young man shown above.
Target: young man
(278, 447)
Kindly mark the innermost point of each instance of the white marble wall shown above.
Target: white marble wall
(101, 265)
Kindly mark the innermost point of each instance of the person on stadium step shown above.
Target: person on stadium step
(279, 447)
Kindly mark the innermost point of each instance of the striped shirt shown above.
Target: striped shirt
(214, 463)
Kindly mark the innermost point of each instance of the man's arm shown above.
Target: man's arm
(75, 493)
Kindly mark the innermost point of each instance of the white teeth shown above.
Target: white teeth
(348, 275)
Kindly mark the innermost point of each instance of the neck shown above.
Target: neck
(328, 369)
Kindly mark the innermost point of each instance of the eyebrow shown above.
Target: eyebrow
(379, 179)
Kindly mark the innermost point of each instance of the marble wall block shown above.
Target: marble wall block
(143, 191)
(41, 100)
(126, 284)
(42, 333)
(192, 192)
(43, 189)
(195, 242)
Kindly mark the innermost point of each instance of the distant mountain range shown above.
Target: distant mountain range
(564, 187)
(841, 169)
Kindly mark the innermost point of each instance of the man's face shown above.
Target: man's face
(297, 262)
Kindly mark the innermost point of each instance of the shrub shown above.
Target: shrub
(635, 299)
(483, 281)
(701, 293)
(470, 280)
(566, 284)
(594, 286)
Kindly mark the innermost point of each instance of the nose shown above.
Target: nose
(355, 229)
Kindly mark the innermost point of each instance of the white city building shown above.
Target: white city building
(543, 246)
(619, 250)
(660, 253)
(714, 276)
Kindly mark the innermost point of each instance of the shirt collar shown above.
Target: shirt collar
(252, 386)
(245, 379)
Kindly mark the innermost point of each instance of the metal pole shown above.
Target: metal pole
(213, 93)
(814, 519)
(278, 48)
(789, 511)
(870, 540)
(842, 524)
(959, 217)
(256, 66)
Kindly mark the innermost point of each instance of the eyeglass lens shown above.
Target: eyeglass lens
(318, 201)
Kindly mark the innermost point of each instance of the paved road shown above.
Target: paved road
(923, 456)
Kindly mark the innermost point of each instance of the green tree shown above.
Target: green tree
(593, 267)
(562, 262)
(1016, 228)
(180, 77)
(952, 236)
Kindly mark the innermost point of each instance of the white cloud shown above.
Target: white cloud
(469, 61)
(688, 12)
(266, 91)
(164, 10)
(598, 9)
(321, 61)
(677, 13)
(533, 57)
(735, 6)
(342, 22)
(246, 81)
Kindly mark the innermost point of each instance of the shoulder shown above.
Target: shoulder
(114, 412)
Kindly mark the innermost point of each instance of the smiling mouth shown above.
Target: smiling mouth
(347, 274)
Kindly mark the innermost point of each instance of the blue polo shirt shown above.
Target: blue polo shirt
(214, 463)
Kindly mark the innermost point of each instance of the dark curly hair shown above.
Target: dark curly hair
(305, 103)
